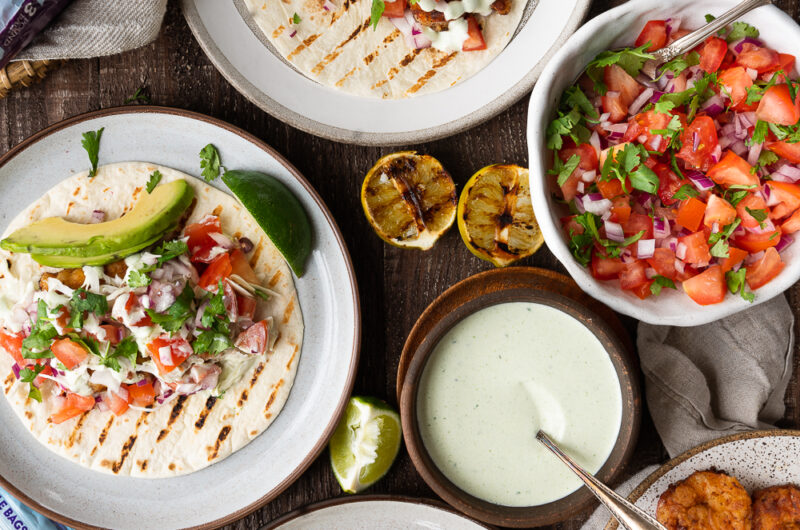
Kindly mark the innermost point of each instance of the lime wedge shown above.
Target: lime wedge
(365, 443)
(277, 211)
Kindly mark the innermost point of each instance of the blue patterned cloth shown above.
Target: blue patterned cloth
(16, 516)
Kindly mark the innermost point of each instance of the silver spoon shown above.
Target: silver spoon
(687, 42)
(628, 515)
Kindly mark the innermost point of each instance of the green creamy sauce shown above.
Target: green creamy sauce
(497, 377)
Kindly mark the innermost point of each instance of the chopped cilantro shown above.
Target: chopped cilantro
(740, 30)
(140, 96)
(736, 284)
(684, 192)
(575, 98)
(759, 133)
(82, 301)
(26, 375)
(719, 240)
(91, 142)
(138, 278)
(568, 124)
(680, 63)
(37, 344)
(177, 313)
(564, 170)
(630, 59)
(376, 12)
(296, 19)
(171, 249)
(210, 162)
(660, 282)
(155, 178)
(766, 158)
(212, 342)
(613, 249)
(758, 215)
(627, 163)
(127, 349)
(663, 106)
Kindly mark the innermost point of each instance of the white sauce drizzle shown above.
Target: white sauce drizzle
(450, 40)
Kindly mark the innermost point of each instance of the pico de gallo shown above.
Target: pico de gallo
(176, 319)
(690, 179)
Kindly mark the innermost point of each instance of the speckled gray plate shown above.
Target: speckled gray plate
(264, 78)
(328, 297)
(375, 512)
(757, 459)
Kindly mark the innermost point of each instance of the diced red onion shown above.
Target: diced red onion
(605, 116)
(680, 266)
(98, 216)
(748, 119)
(792, 173)
(673, 25)
(166, 395)
(700, 181)
(713, 106)
(739, 147)
(579, 188)
(614, 231)
(661, 228)
(15, 368)
(626, 256)
(656, 96)
(680, 252)
(755, 152)
(578, 201)
(752, 73)
(594, 141)
(640, 101)
(606, 216)
(715, 228)
(753, 258)
(767, 228)
(293, 33)
(716, 154)
(650, 272)
(619, 128)
(596, 206)
(161, 296)
(695, 141)
(784, 242)
(589, 176)
(645, 248)
(736, 46)
(165, 356)
(142, 382)
(329, 6)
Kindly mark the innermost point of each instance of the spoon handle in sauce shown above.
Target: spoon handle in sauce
(629, 516)
(687, 42)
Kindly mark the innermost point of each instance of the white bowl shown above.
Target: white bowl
(615, 28)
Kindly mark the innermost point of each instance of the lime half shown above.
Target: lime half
(365, 443)
(277, 211)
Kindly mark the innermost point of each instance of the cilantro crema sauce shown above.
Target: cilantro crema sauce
(495, 379)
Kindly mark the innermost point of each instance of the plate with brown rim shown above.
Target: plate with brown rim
(375, 512)
(257, 473)
(758, 459)
(453, 306)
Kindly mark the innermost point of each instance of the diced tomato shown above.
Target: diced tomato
(247, 305)
(752, 201)
(113, 333)
(70, 406)
(735, 82)
(620, 209)
(254, 339)
(708, 287)
(733, 170)
(668, 183)
(69, 352)
(610, 189)
(118, 401)
(241, 267)
(200, 242)
(663, 261)
(697, 250)
(604, 268)
(474, 40)
(588, 162)
(735, 256)
(643, 291)
(638, 222)
(785, 63)
(688, 272)
(718, 211)
(12, 343)
(618, 80)
(394, 9)
(219, 269)
(632, 275)
(703, 133)
(63, 320)
(754, 242)
(142, 394)
(614, 106)
(790, 152)
(764, 270)
(792, 224)
(691, 213)
(712, 54)
(132, 302)
(640, 129)
(758, 58)
(787, 193)
(571, 226)
(776, 106)
(654, 32)
(180, 350)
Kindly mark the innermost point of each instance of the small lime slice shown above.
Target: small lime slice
(277, 211)
(365, 443)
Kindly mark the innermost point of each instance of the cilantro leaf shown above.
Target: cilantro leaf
(138, 278)
(376, 12)
(81, 301)
(759, 133)
(680, 63)
(171, 249)
(612, 248)
(736, 284)
(575, 98)
(296, 19)
(766, 158)
(758, 215)
(684, 192)
(155, 178)
(178, 313)
(567, 124)
(140, 96)
(660, 282)
(740, 30)
(627, 163)
(37, 344)
(630, 59)
(663, 106)
(26, 375)
(127, 349)
(719, 240)
(91, 142)
(564, 170)
(210, 162)
(210, 341)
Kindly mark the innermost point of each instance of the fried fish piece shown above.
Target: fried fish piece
(706, 500)
(502, 7)
(430, 19)
(72, 278)
(777, 508)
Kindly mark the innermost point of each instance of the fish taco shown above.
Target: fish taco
(389, 50)
(147, 331)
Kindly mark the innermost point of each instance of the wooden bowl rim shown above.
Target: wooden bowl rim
(534, 515)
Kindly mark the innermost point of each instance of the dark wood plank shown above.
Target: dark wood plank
(395, 285)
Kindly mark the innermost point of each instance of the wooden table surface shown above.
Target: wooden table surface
(396, 285)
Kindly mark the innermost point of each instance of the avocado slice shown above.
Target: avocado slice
(54, 240)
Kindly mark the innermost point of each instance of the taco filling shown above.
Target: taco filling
(136, 333)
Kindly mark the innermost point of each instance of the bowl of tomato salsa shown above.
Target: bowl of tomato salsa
(674, 200)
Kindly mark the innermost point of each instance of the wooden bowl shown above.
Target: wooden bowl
(507, 515)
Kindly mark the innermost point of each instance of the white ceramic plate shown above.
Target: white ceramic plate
(270, 83)
(375, 512)
(328, 297)
(758, 459)
(615, 28)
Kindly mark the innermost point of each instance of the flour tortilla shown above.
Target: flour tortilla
(187, 433)
(339, 48)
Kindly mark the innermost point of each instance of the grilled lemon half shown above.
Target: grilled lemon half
(409, 199)
(495, 215)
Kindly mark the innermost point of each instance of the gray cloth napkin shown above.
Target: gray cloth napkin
(710, 381)
(95, 28)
